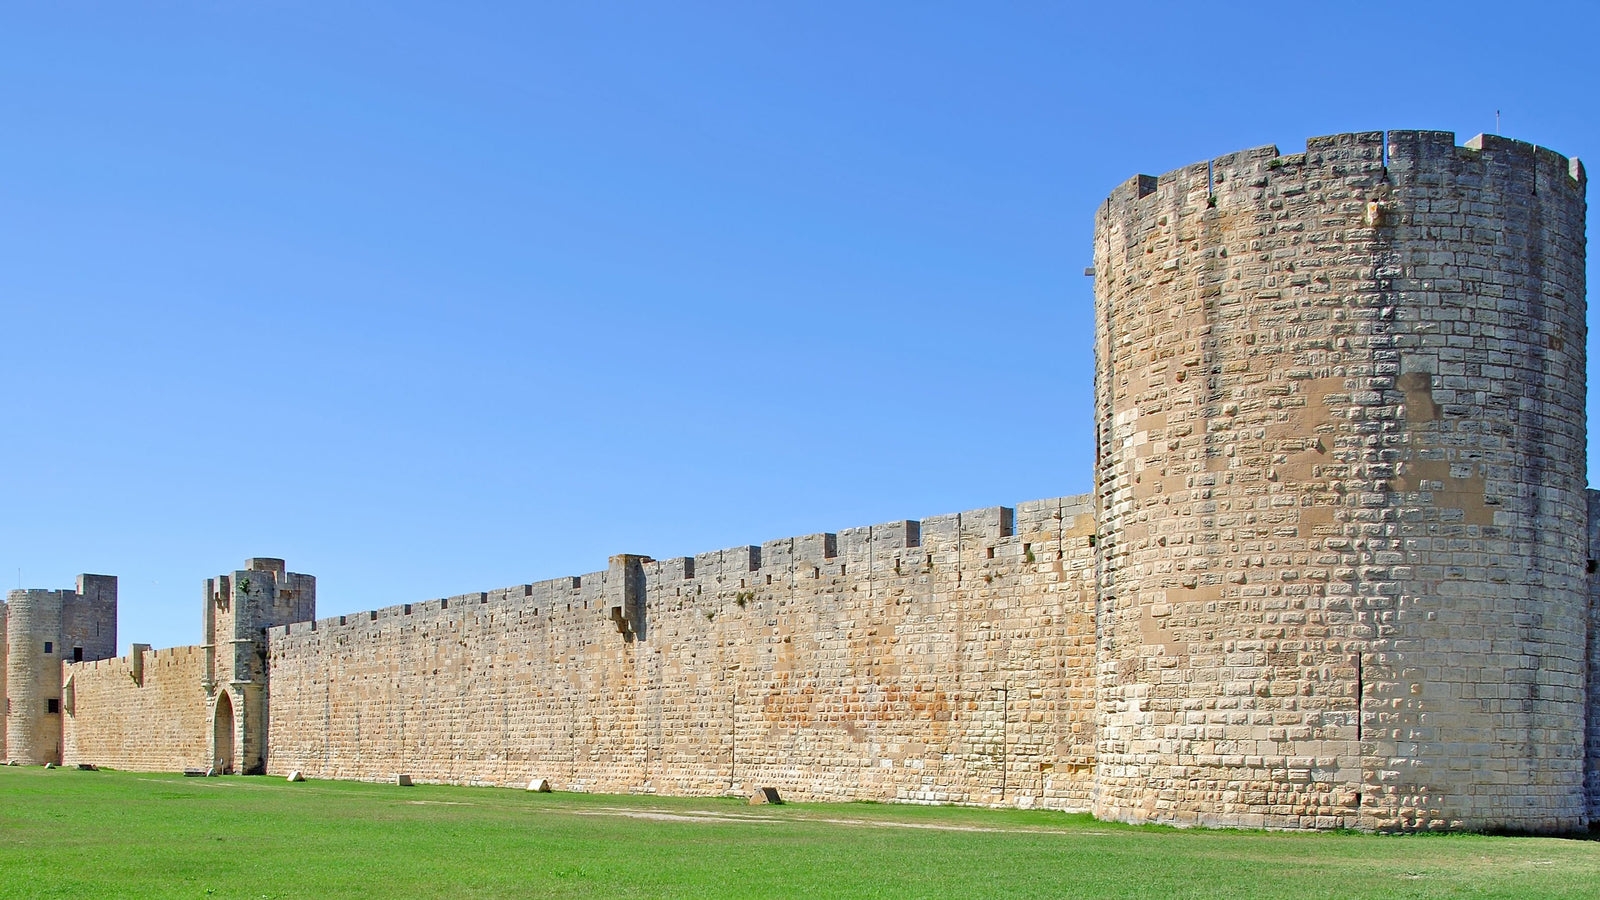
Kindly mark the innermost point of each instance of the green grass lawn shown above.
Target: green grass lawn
(66, 833)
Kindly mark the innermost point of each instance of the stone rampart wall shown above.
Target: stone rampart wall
(156, 722)
(1339, 582)
(949, 660)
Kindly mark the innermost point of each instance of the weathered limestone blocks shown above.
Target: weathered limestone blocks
(41, 630)
(1592, 743)
(949, 660)
(238, 609)
(145, 713)
(1334, 573)
(1340, 406)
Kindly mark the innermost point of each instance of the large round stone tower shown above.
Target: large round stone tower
(33, 676)
(1340, 411)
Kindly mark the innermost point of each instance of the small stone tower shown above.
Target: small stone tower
(42, 629)
(238, 610)
(1339, 406)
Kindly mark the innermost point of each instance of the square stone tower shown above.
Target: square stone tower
(238, 610)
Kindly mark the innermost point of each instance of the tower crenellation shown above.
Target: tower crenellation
(239, 609)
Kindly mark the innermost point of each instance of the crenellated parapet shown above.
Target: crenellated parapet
(960, 543)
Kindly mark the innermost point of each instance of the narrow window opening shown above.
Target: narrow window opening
(816, 572)
(769, 579)
(52, 705)
(49, 646)
(77, 654)
(991, 553)
(1361, 694)
(444, 604)
(408, 609)
(841, 570)
(1590, 568)
(374, 615)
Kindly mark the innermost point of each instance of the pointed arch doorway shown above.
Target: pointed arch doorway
(222, 734)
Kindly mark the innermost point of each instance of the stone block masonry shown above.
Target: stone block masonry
(1592, 738)
(238, 610)
(42, 630)
(942, 661)
(1339, 568)
(146, 712)
(1340, 403)
(5, 698)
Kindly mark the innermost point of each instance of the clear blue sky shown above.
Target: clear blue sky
(446, 297)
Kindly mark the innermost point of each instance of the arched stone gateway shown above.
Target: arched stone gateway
(222, 729)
